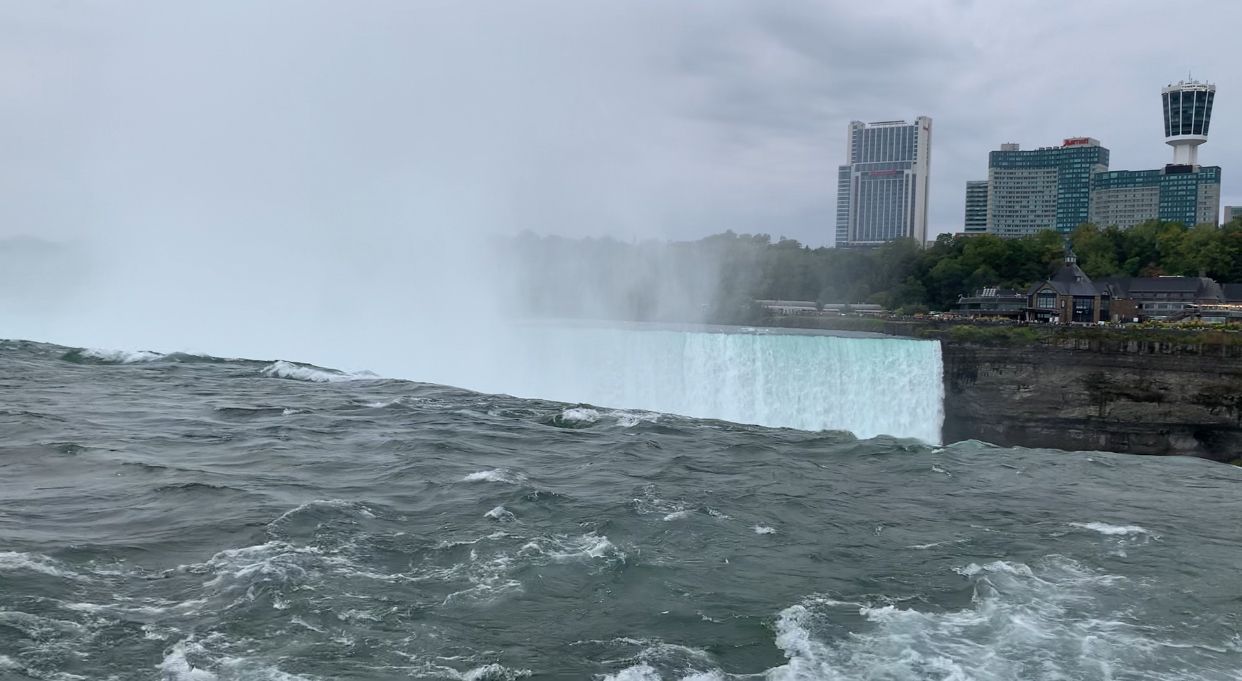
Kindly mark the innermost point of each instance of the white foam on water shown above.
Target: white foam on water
(639, 672)
(629, 419)
(500, 514)
(677, 515)
(764, 529)
(565, 548)
(1112, 530)
(494, 672)
(302, 372)
(580, 415)
(34, 562)
(177, 667)
(488, 577)
(123, 356)
(1026, 622)
(7, 662)
(588, 546)
(179, 664)
(713, 675)
(496, 475)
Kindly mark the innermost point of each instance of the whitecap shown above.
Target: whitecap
(640, 672)
(494, 672)
(589, 545)
(355, 615)
(1112, 530)
(629, 419)
(177, 667)
(563, 548)
(764, 529)
(122, 356)
(500, 514)
(305, 372)
(495, 475)
(34, 562)
(996, 566)
(713, 675)
(1048, 617)
(580, 415)
(676, 515)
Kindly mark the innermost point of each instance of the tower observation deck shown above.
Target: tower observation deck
(1187, 116)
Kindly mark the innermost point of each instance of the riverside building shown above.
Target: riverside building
(882, 189)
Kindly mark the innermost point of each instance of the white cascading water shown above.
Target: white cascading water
(868, 386)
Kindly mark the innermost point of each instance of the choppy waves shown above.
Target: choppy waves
(208, 520)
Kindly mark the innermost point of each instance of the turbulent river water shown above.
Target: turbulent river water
(189, 518)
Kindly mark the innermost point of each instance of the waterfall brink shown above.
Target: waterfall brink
(868, 386)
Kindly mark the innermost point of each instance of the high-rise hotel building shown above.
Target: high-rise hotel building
(882, 190)
(1046, 188)
(976, 207)
(1063, 187)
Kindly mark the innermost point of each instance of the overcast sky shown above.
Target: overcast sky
(637, 119)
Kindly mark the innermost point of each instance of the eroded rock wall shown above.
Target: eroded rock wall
(1141, 397)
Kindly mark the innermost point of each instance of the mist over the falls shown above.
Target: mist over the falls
(399, 189)
(328, 184)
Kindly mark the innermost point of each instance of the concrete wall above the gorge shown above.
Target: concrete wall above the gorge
(1112, 393)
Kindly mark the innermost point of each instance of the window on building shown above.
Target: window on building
(1084, 309)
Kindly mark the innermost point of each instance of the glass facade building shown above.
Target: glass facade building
(1046, 188)
(1186, 194)
(1063, 187)
(1182, 191)
(1188, 109)
(1187, 118)
(882, 190)
(976, 207)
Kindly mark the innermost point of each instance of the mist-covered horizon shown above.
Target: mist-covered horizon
(320, 181)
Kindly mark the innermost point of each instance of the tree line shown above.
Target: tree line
(718, 278)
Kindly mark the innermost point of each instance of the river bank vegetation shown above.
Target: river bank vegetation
(718, 278)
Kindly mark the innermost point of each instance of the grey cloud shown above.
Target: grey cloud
(635, 118)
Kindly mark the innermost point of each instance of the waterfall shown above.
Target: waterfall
(868, 386)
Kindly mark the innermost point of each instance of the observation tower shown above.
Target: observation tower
(1187, 115)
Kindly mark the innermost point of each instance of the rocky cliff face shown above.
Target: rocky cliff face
(1142, 397)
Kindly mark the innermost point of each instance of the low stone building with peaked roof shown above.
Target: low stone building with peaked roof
(1165, 297)
(1069, 297)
